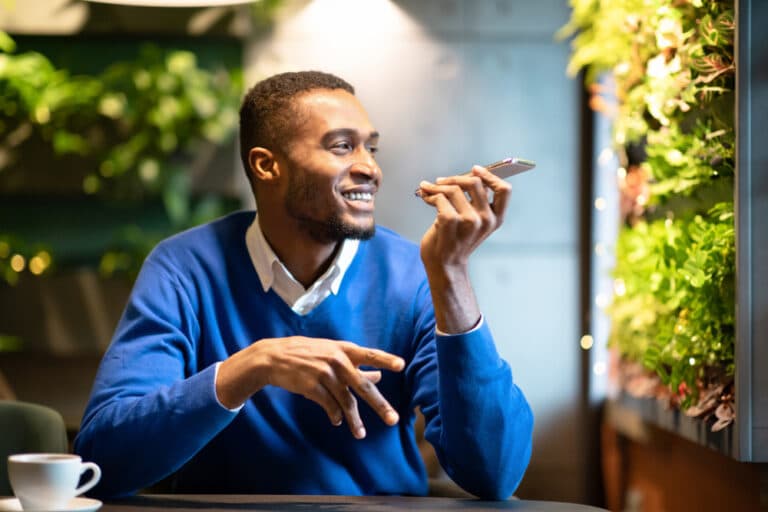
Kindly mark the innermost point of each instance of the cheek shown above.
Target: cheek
(312, 192)
(321, 182)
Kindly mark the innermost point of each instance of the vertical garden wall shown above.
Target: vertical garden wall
(107, 145)
(671, 69)
(100, 139)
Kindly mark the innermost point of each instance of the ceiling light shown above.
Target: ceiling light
(172, 3)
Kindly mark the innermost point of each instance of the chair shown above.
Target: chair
(25, 428)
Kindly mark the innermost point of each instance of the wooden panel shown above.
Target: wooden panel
(668, 473)
(60, 382)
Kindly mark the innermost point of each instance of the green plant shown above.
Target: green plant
(672, 69)
(126, 135)
(675, 311)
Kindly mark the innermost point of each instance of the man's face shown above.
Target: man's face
(331, 171)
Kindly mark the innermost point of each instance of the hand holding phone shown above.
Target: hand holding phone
(504, 168)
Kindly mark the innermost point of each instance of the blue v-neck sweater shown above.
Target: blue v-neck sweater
(153, 411)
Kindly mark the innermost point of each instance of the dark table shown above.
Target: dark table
(195, 503)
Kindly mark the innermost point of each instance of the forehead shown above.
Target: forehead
(323, 110)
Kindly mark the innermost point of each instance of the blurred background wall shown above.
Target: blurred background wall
(449, 84)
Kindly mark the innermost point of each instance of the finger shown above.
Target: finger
(426, 189)
(366, 356)
(348, 404)
(373, 376)
(502, 190)
(432, 190)
(336, 379)
(474, 186)
(447, 218)
(320, 395)
(455, 195)
(430, 198)
(445, 210)
(367, 391)
(478, 193)
(457, 218)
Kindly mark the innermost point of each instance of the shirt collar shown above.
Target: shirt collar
(264, 259)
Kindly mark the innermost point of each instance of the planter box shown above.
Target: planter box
(631, 416)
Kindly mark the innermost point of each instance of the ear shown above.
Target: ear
(262, 165)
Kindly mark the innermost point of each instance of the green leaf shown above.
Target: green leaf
(176, 198)
(65, 142)
(7, 44)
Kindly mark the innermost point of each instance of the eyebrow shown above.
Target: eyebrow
(347, 132)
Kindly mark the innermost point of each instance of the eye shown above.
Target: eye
(343, 146)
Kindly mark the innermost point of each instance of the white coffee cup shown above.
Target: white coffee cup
(48, 481)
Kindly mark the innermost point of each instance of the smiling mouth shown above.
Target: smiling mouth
(365, 197)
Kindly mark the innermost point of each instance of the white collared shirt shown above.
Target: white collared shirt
(273, 274)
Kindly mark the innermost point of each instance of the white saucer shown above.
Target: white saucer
(74, 505)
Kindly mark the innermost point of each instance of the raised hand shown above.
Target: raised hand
(465, 218)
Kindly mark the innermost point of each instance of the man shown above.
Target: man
(248, 341)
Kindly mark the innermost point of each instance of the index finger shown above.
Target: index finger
(501, 189)
(471, 184)
(373, 357)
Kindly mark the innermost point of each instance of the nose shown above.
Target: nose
(366, 166)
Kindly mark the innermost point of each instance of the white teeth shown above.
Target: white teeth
(359, 196)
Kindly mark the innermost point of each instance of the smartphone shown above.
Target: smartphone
(505, 168)
(510, 166)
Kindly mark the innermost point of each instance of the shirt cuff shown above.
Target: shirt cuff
(470, 357)
(215, 378)
(477, 326)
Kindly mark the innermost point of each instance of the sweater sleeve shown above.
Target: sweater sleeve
(150, 410)
(477, 419)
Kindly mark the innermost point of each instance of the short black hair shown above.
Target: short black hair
(266, 114)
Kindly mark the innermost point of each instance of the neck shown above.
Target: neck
(304, 257)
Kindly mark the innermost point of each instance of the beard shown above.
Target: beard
(318, 216)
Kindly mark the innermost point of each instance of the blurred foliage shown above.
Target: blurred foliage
(128, 134)
(10, 343)
(263, 11)
(671, 64)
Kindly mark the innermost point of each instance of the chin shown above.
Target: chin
(363, 234)
(366, 229)
(358, 231)
(354, 224)
(337, 229)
